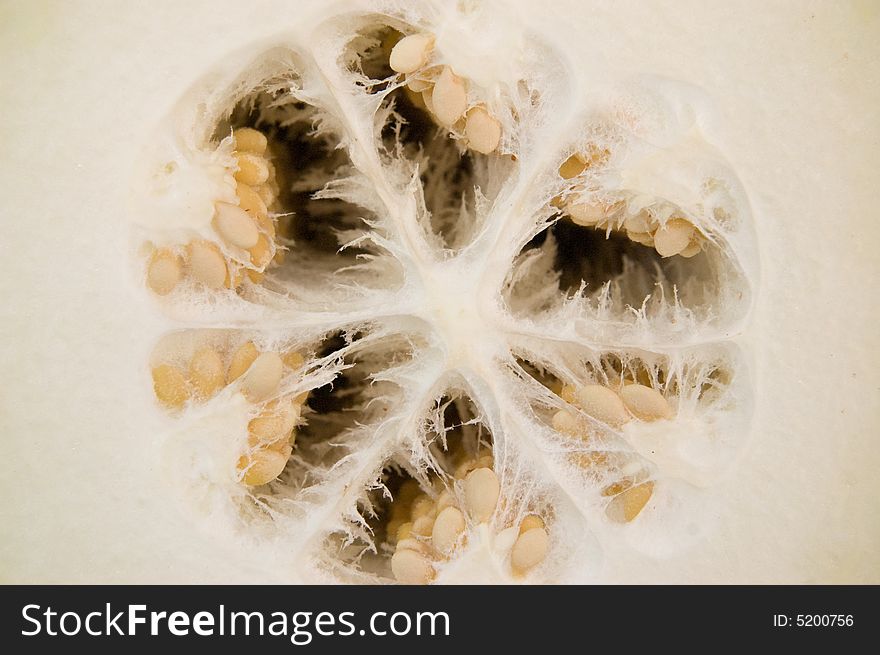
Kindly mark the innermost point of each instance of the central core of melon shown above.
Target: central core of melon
(453, 305)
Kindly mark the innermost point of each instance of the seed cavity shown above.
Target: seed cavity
(245, 226)
(620, 455)
(197, 366)
(607, 257)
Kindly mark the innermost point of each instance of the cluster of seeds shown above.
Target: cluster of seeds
(633, 401)
(443, 94)
(258, 377)
(676, 236)
(425, 529)
(673, 236)
(247, 231)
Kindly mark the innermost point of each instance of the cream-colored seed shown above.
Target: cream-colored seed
(446, 499)
(572, 167)
(417, 86)
(267, 225)
(427, 96)
(282, 444)
(241, 361)
(422, 506)
(646, 403)
(248, 139)
(267, 194)
(290, 410)
(163, 272)
(693, 248)
(447, 529)
(530, 549)
(481, 491)
(531, 522)
(483, 131)
(293, 359)
(568, 393)
(267, 429)
(423, 525)
(411, 567)
(603, 404)
(449, 98)
(411, 53)
(673, 237)
(264, 465)
(263, 377)
(206, 264)
(586, 213)
(261, 254)
(235, 225)
(170, 386)
(640, 222)
(252, 169)
(628, 504)
(566, 423)
(250, 201)
(206, 372)
(643, 238)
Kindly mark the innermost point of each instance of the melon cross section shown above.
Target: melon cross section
(427, 324)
